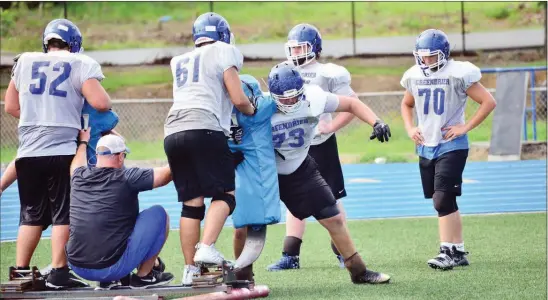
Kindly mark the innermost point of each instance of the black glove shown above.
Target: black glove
(381, 131)
(236, 133)
(238, 158)
(253, 98)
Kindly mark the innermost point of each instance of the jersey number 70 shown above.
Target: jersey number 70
(40, 87)
(181, 70)
(439, 99)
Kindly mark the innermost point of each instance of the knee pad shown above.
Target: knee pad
(229, 199)
(193, 212)
(445, 203)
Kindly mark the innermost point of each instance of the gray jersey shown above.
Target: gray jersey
(440, 99)
(331, 78)
(50, 95)
(199, 89)
(292, 133)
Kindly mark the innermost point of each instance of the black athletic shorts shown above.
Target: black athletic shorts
(304, 192)
(201, 163)
(326, 156)
(443, 173)
(44, 190)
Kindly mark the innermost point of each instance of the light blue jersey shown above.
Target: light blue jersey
(257, 194)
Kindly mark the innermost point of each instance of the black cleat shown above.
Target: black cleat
(459, 257)
(371, 277)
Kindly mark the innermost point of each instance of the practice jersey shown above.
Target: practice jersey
(292, 134)
(200, 98)
(440, 99)
(331, 78)
(51, 100)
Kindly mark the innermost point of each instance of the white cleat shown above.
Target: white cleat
(208, 255)
(190, 272)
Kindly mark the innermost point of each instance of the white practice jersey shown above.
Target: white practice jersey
(440, 99)
(331, 78)
(292, 133)
(198, 84)
(51, 100)
(50, 87)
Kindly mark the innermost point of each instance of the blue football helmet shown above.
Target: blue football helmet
(432, 42)
(66, 31)
(307, 41)
(285, 83)
(211, 27)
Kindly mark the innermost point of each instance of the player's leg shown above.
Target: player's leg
(34, 212)
(186, 183)
(326, 156)
(58, 179)
(215, 170)
(240, 235)
(443, 260)
(447, 187)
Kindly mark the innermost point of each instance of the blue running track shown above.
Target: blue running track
(379, 191)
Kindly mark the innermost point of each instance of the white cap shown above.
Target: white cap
(113, 143)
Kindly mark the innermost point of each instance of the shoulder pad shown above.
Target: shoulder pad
(332, 71)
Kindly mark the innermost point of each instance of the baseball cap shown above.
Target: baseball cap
(113, 144)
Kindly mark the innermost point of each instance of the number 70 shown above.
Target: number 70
(439, 100)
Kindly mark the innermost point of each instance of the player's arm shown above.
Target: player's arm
(407, 106)
(381, 131)
(80, 159)
(339, 84)
(96, 95)
(11, 102)
(479, 94)
(162, 176)
(237, 96)
(9, 177)
(470, 84)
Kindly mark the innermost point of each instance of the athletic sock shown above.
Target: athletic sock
(446, 244)
(460, 247)
(292, 245)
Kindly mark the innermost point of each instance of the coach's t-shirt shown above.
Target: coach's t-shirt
(103, 210)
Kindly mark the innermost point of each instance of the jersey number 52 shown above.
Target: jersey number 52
(181, 70)
(40, 87)
(439, 100)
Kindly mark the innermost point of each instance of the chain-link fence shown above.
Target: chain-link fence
(141, 123)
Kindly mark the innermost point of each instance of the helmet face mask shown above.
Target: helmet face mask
(286, 88)
(304, 44)
(300, 53)
(432, 51)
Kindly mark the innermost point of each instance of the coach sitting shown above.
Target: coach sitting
(108, 236)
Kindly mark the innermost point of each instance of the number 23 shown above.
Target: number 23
(297, 134)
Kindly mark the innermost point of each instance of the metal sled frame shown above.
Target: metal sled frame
(219, 285)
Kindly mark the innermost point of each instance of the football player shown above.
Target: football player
(206, 87)
(303, 49)
(46, 93)
(437, 87)
(302, 188)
